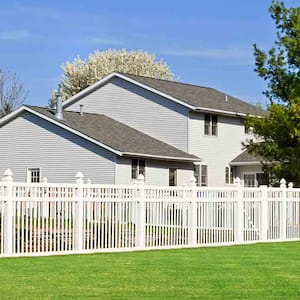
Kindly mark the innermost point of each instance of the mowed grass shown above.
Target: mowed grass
(261, 271)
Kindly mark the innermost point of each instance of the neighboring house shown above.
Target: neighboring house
(124, 125)
(248, 168)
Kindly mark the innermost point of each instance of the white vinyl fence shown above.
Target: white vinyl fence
(46, 218)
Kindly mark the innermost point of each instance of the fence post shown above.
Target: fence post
(264, 213)
(45, 199)
(8, 230)
(192, 217)
(140, 224)
(88, 203)
(239, 217)
(79, 212)
(283, 209)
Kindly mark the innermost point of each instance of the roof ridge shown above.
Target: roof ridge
(167, 80)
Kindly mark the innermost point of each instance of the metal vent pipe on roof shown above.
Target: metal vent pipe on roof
(226, 98)
(81, 109)
(59, 111)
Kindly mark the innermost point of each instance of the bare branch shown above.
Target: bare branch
(12, 92)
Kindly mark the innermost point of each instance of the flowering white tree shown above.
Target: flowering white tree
(79, 74)
(12, 92)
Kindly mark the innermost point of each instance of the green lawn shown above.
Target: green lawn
(262, 271)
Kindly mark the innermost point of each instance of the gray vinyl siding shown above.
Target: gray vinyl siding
(157, 172)
(31, 142)
(216, 151)
(242, 170)
(140, 109)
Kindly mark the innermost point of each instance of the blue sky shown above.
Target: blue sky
(207, 43)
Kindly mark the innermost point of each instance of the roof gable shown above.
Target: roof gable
(199, 97)
(109, 134)
(191, 96)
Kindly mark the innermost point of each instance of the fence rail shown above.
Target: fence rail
(46, 218)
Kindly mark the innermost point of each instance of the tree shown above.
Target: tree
(12, 92)
(79, 74)
(279, 129)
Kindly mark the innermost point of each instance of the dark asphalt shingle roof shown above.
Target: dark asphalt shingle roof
(115, 134)
(245, 157)
(198, 96)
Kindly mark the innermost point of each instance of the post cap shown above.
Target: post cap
(8, 175)
(282, 183)
(237, 181)
(141, 179)
(79, 177)
(193, 181)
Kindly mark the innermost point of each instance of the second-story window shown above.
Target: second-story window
(210, 125)
(137, 168)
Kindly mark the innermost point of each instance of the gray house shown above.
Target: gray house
(125, 125)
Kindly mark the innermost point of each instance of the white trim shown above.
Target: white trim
(115, 74)
(88, 89)
(249, 173)
(25, 108)
(248, 163)
(224, 112)
(11, 115)
(124, 77)
(162, 157)
(29, 174)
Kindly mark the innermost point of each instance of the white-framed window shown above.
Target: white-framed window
(172, 177)
(249, 180)
(210, 125)
(137, 168)
(34, 175)
(228, 175)
(201, 175)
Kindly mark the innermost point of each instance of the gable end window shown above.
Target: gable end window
(211, 125)
(137, 168)
(33, 175)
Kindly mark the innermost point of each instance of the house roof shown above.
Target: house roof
(199, 96)
(245, 158)
(192, 96)
(125, 140)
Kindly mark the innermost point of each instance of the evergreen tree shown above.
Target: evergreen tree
(279, 129)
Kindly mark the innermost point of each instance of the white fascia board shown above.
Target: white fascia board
(246, 163)
(124, 77)
(25, 108)
(161, 157)
(115, 74)
(224, 112)
(155, 91)
(12, 115)
(88, 89)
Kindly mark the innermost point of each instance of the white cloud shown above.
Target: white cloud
(232, 52)
(104, 41)
(14, 35)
